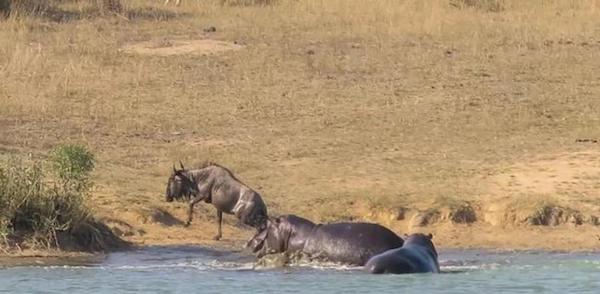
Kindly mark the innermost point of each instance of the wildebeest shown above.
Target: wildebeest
(418, 255)
(215, 184)
(346, 242)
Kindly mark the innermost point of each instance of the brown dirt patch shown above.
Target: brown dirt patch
(551, 174)
(181, 47)
(549, 190)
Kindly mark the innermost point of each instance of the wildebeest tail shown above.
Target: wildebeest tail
(259, 219)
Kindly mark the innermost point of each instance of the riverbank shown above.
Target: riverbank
(446, 237)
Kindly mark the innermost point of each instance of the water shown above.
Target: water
(200, 270)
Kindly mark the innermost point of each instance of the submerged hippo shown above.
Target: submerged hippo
(349, 243)
(418, 255)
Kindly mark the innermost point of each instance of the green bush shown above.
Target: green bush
(72, 164)
(51, 213)
(34, 210)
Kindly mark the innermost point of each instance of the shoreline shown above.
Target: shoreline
(91, 259)
(446, 242)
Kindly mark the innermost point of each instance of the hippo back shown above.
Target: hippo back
(413, 257)
(350, 243)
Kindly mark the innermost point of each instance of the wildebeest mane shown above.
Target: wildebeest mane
(207, 163)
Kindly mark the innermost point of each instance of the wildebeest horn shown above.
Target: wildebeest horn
(181, 164)
(174, 169)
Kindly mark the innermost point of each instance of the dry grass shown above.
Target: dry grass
(327, 107)
(39, 209)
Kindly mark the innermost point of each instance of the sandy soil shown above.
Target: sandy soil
(501, 214)
(180, 47)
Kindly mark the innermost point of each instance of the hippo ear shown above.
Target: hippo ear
(430, 236)
(272, 221)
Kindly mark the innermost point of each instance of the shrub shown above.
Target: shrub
(4, 7)
(51, 8)
(72, 164)
(24, 7)
(462, 214)
(32, 209)
(52, 214)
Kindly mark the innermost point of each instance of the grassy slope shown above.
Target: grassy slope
(331, 111)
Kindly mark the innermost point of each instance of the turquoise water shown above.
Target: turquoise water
(200, 270)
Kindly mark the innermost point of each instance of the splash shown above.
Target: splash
(300, 262)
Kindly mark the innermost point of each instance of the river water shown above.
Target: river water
(202, 270)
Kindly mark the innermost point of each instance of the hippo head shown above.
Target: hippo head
(421, 240)
(272, 239)
(180, 185)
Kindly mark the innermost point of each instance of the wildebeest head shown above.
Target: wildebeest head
(180, 185)
(272, 239)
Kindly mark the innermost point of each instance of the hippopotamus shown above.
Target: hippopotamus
(417, 255)
(344, 242)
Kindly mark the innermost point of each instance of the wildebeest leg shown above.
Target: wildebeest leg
(193, 202)
(219, 222)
